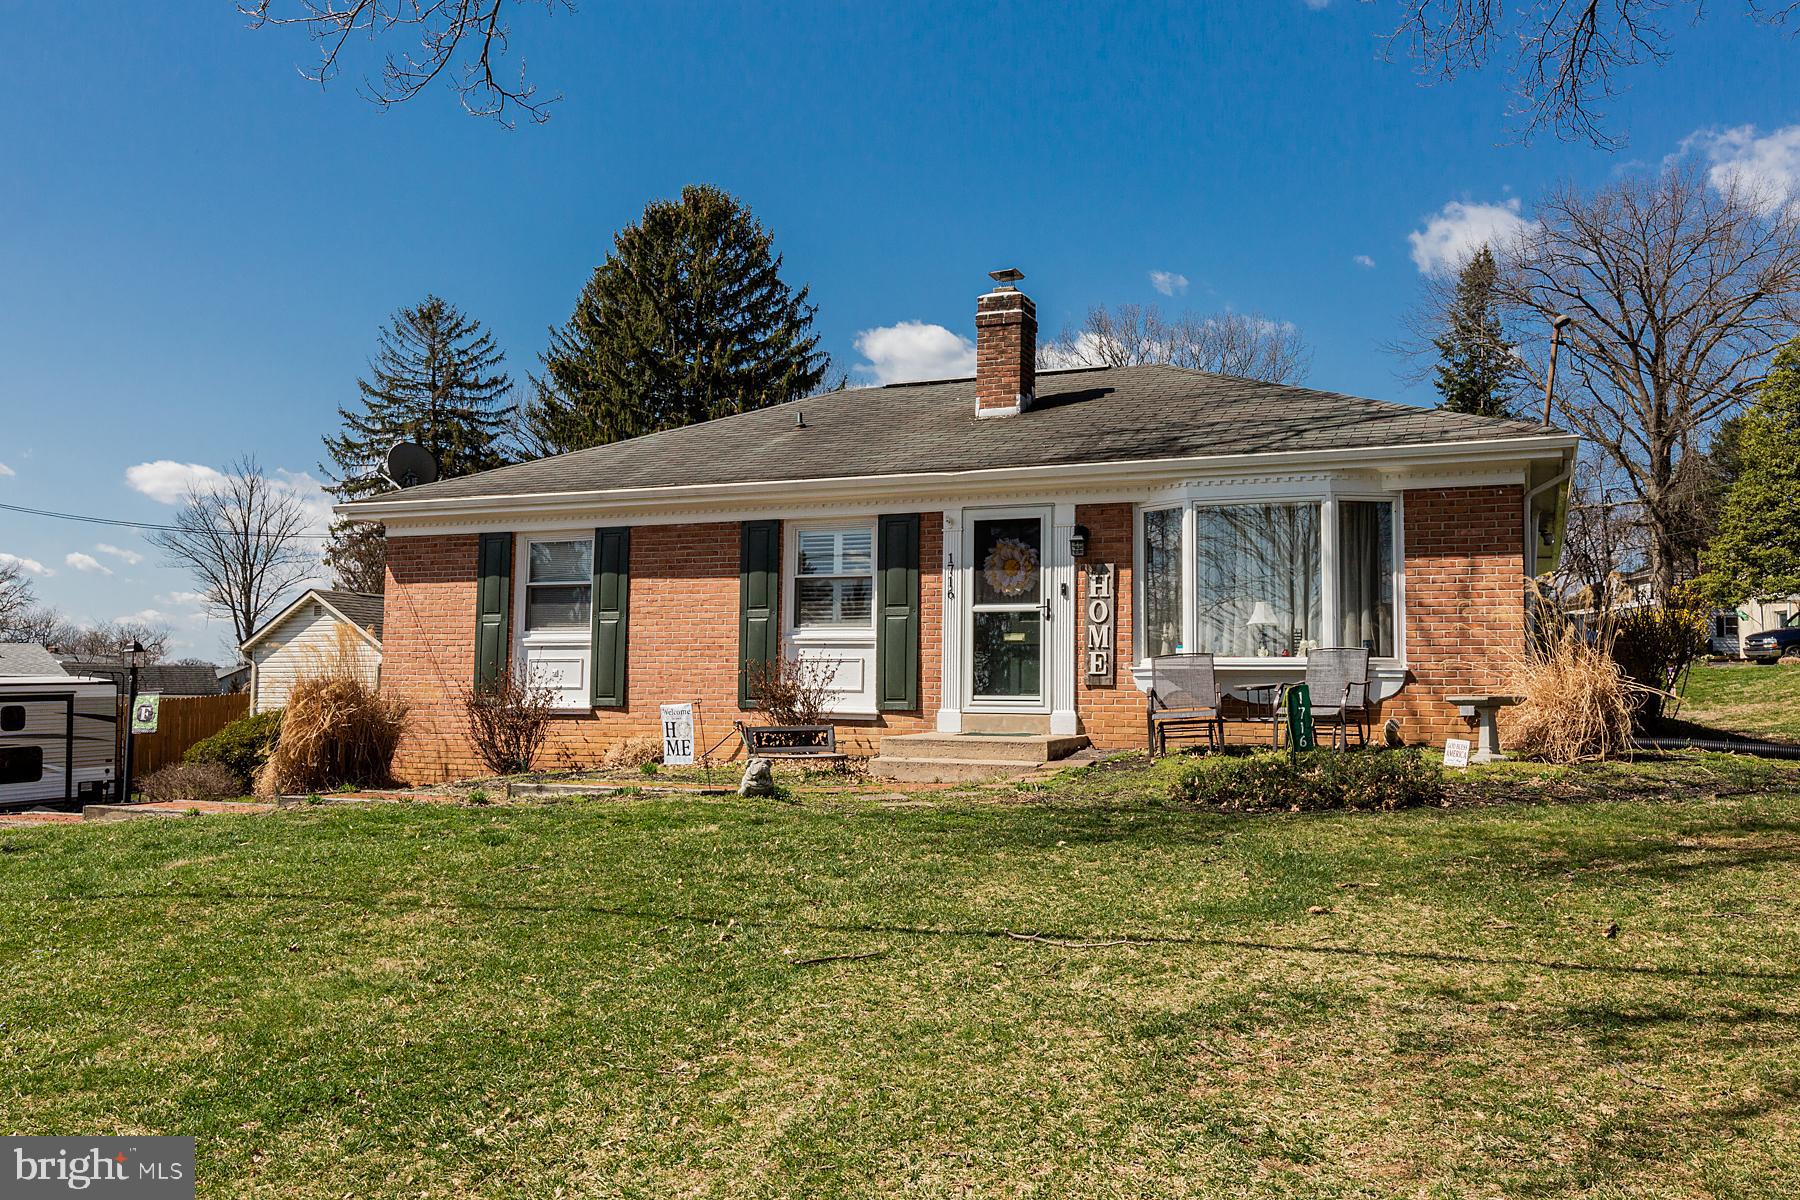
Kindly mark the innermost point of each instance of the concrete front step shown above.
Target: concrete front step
(1030, 748)
(950, 770)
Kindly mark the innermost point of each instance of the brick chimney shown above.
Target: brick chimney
(1005, 348)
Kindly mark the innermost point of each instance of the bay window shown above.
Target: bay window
(1269, 579)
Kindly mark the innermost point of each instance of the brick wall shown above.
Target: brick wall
(1112, 717)
(683, 646)
(1465, 603)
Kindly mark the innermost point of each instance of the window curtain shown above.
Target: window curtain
(1162, 581)
(1256, 570)
(1366, 575)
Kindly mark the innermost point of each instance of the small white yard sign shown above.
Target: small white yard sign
(144, 712)
(1456, 752)
(678, 735)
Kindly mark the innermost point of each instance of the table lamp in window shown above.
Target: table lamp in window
(1262, 623)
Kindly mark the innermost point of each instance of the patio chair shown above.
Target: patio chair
(1184, 701)
(1338, 678)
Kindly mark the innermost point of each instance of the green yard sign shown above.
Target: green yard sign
(1301, 735)
(144, 712)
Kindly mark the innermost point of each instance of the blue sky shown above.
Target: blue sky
(196, 246)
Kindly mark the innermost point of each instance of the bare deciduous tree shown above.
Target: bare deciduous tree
(18, 602)
(1680, 294)
(462, 40)
(108, 636)
(244, 541)
(1130, 335)
(1567, 56)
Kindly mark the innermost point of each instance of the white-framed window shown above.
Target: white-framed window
(1274, 578)
(828, 585)
(554, 607)
(834, 577)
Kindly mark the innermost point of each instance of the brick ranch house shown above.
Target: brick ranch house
(937, 543)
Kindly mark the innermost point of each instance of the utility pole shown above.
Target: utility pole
(1557, 323)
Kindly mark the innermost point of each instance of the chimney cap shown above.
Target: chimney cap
(1006, 277)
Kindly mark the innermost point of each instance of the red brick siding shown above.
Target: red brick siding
(1112, 717)
(1465, 602)
(683, 646)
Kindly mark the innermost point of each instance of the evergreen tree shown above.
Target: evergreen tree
(1755, 552)
(1475, 367)
(687, 319)
(437, 379)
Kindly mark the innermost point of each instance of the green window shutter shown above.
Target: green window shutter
(493, 602)
(612, 602)
(897, 614)
(759, 586)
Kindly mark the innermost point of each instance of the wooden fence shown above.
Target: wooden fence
(181, 721)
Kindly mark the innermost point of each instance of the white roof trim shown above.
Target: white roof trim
(317, 596)
(1548, 445)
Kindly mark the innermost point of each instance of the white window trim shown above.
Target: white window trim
(790, 574)
(855, 643)
(524, 642)
(1390, 668)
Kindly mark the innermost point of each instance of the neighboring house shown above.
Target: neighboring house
(28, 659)
(168, 679)
(323, 628)
(234, 679)
(1730, 626)
(936, 545)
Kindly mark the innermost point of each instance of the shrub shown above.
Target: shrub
(335, 730)
(242, 747)
(1651, 645)
(186, 781)
(1578, 703)
(1314, 779)
(508, 719)
(633, 752)
(792, 691)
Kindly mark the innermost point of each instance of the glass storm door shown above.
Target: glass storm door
(1008, 607)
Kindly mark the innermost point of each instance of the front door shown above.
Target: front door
(1008, 607)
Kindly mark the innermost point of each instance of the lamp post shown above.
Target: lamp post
(134, 655)
(1558, 323)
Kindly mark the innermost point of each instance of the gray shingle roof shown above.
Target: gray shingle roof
(364, 608)
(28, 658)
(1112, 414)
(170, 679)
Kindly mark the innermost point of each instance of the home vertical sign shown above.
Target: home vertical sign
(678, 735)
(1102, 607)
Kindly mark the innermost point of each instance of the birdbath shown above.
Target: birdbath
(1484, 710)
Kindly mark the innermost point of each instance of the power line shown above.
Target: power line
(150, 525)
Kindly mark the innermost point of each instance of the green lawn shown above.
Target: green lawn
(612, 998)
(1757, 700)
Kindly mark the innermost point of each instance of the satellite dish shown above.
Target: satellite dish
(410, 464)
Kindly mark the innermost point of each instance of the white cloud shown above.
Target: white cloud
(169, 482)
(1766, 168)
(184, 599)
(131, 557)
(6, 472)
(1363, 260)
(1459, 229)
(86, 562)
(146, 616)
(30, 566)
(914, 350)
(1169, 283)
(1317, 5)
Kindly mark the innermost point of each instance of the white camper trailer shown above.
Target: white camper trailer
(58, 737)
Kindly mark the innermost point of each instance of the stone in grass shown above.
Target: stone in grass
(759, 779)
